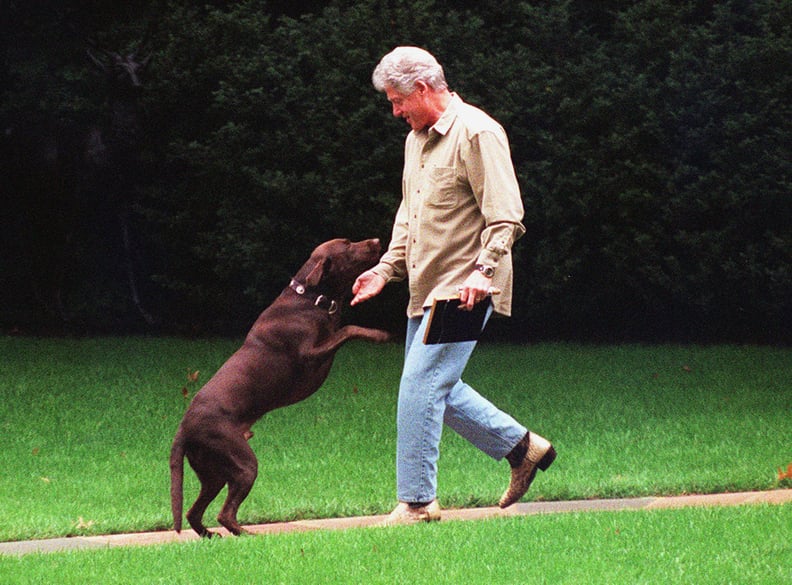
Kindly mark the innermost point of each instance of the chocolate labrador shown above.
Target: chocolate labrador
(285, 358)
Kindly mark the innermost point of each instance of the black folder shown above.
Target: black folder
(449, 324)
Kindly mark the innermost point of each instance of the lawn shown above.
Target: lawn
(87, 426)
(696, 546)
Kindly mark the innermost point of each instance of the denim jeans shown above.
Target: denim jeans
(431, 393)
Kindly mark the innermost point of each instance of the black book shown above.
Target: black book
(449, 324)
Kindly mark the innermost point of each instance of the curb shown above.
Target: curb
(525, 509)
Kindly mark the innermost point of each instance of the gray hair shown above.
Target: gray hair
(404, 66)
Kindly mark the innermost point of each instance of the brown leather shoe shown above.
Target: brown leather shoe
(539, 453)
(406, 514)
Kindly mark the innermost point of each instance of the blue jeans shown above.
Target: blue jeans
(431, 393)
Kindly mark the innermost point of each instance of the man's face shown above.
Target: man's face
(414, 108)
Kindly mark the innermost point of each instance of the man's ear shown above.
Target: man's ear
(421, 87)
(315, 276)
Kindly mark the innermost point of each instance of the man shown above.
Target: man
(460, 213)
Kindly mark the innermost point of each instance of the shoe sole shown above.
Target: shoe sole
(409, 522)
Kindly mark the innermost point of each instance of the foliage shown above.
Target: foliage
(660, 158)
(651, 139)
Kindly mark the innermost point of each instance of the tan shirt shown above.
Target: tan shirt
(460, 207)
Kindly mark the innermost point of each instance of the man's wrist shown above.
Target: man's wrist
(486, 270)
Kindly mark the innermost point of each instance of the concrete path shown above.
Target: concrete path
(525, 509)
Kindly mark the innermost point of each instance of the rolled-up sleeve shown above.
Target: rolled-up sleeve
(495, 187)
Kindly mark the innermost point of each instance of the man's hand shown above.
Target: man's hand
(475, 288)
(366, 286)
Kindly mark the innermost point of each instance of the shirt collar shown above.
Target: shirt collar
(443, 125)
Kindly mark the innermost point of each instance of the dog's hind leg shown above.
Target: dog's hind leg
(195, 514)
(211, 484)
(245, 470)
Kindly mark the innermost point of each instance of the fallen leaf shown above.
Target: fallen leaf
(83, 524)
(193, 376)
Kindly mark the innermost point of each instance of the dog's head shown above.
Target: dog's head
(335, 264)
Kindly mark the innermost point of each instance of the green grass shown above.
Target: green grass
(86, 427)
(746, 545)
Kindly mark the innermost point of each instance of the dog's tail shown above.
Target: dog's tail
(177, 480)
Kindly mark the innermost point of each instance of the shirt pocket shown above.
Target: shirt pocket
(443, 188)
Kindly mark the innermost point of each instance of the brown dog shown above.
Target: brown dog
(285, 358)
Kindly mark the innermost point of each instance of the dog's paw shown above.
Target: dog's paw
(380, 336)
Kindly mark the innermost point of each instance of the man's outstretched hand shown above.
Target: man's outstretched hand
(366, 286)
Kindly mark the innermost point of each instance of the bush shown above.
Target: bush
(651, 139)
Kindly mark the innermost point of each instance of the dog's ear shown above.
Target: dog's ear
(315, 276)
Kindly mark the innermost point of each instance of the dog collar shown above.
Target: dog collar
(320, 300)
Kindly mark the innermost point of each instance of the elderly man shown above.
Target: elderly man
(460, 213)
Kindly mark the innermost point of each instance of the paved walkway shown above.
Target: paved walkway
(525, 509)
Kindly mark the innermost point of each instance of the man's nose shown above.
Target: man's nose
(397, 111)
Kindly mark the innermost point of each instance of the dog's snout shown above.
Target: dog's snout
(371, 245)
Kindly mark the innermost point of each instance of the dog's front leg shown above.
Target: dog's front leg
(337, 339)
